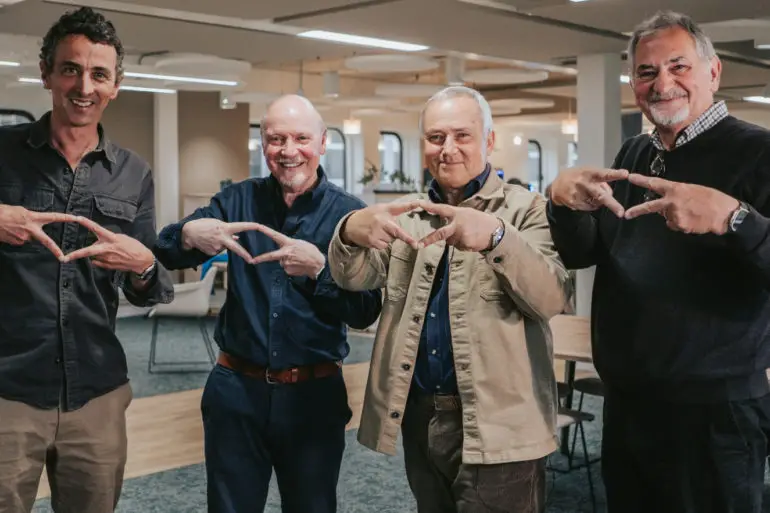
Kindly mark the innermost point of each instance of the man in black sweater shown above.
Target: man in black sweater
(678, 232)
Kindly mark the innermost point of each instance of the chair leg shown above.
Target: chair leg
(575, 433)
(153, 344)
(588, 466)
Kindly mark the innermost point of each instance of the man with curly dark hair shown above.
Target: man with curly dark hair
(76, 223)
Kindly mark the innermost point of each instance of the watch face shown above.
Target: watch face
(738, 217)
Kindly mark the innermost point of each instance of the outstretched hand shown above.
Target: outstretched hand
(686, 207)
(376, 226)
(587, 189)
(114, 251)
(212, 236)
(297, 257)
(465, 228)
(19, 225)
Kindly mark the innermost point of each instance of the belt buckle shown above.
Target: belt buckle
(268, 379)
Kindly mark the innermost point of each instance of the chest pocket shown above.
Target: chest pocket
(37, 199)
(117, 215)
(400, 269)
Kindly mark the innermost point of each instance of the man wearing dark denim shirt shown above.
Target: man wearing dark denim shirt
(67, 193)
(276, 399)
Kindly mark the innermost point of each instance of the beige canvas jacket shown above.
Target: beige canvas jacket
(499, 306)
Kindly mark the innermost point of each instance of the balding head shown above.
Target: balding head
(293, 140)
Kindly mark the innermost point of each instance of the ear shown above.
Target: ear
(490, 142)
(44, 75)
(716, 73)
(323, 143)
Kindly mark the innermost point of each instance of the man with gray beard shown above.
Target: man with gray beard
(680, 236)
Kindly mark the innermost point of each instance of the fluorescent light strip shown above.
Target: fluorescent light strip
(361, 40)
(10, 63)
(625, 79)
(174, 78)
(32, 80)
(757, 99)
(147, 89)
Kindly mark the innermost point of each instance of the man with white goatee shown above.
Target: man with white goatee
(679, 234)
(276, 398)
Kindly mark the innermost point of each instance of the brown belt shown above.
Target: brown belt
(292, 375)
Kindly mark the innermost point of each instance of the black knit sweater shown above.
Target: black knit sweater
(685, 316)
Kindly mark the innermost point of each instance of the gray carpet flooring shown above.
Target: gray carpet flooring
(369, 482)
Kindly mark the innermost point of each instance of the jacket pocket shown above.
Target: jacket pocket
(34, 199)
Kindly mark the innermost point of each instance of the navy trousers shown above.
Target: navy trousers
(252, 427)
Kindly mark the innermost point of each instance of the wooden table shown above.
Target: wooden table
(571, 343)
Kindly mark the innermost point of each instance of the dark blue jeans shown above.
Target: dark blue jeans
(252, 427)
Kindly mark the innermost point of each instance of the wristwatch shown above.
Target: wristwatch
(737, 217)
(497, 236)
(147, 273)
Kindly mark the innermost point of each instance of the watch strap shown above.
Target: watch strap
(147, 273)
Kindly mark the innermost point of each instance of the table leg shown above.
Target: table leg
(569, 379)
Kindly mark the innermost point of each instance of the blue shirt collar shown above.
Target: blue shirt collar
(436, 195)
(313, 195)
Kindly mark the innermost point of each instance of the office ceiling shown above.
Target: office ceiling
(490, 37)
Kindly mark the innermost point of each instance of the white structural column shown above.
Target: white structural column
(599, 133)
(166, 165)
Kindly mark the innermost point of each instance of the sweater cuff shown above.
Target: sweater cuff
(753, 232)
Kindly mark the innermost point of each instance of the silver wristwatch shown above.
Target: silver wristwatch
(497, 236)
(147, 273)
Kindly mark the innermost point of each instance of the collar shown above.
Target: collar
(476, 185)
(313, 195)
(713, 115)
(40, 135)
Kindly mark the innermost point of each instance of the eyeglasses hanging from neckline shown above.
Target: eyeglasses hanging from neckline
(657, 168)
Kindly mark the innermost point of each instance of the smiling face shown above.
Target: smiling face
(456, 147)
(293, 138)
(82, 80)
(672, 83)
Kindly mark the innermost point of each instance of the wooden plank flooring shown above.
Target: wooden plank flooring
(165, 431)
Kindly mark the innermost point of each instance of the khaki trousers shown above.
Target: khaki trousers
(84, 452)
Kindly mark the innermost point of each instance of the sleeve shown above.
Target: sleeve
(576, 234)
(752, 239)
(528, 265)
(160, 288)
(168, 248)
(356, 268)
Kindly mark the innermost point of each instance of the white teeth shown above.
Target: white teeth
(82, 103)
(290, 164)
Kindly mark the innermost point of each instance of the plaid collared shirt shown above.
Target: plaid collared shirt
(713, 115)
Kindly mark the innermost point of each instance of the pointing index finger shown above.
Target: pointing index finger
(652, 183)
(609, 175)
(278, 237)
(438, 209)
(396, 209)
(99, 230)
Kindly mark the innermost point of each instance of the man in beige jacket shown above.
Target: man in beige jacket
(463, 360)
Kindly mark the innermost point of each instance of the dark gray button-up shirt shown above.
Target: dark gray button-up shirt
(57, 321)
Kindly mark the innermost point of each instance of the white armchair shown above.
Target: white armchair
(192, 300)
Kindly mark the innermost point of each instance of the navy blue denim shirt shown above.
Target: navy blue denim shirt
(434, 370)
(270, 318)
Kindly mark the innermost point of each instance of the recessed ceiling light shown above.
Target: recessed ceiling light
(174, 78)
(351, 39)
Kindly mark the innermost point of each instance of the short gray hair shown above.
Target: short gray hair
(462, 92)
(663, 20)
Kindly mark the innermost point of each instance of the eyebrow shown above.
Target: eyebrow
(645, 67)
(101, 69)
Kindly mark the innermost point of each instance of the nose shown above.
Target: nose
(449, 146)
(85, 85)
(289, 148)
(663, 82)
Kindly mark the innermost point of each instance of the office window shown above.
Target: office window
(14, 117)
(534, 166)
(333, 161)
(391, 155)
(257, 166)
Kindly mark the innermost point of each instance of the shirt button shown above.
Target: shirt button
(406, 366)
(497, 259)
(275, 315)
(416, 318)
(65, 283)
(275, 353)
(433, 352)
(429, 268)
(432, 315)
(58, 361)
(65, 323)
(395, 415)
